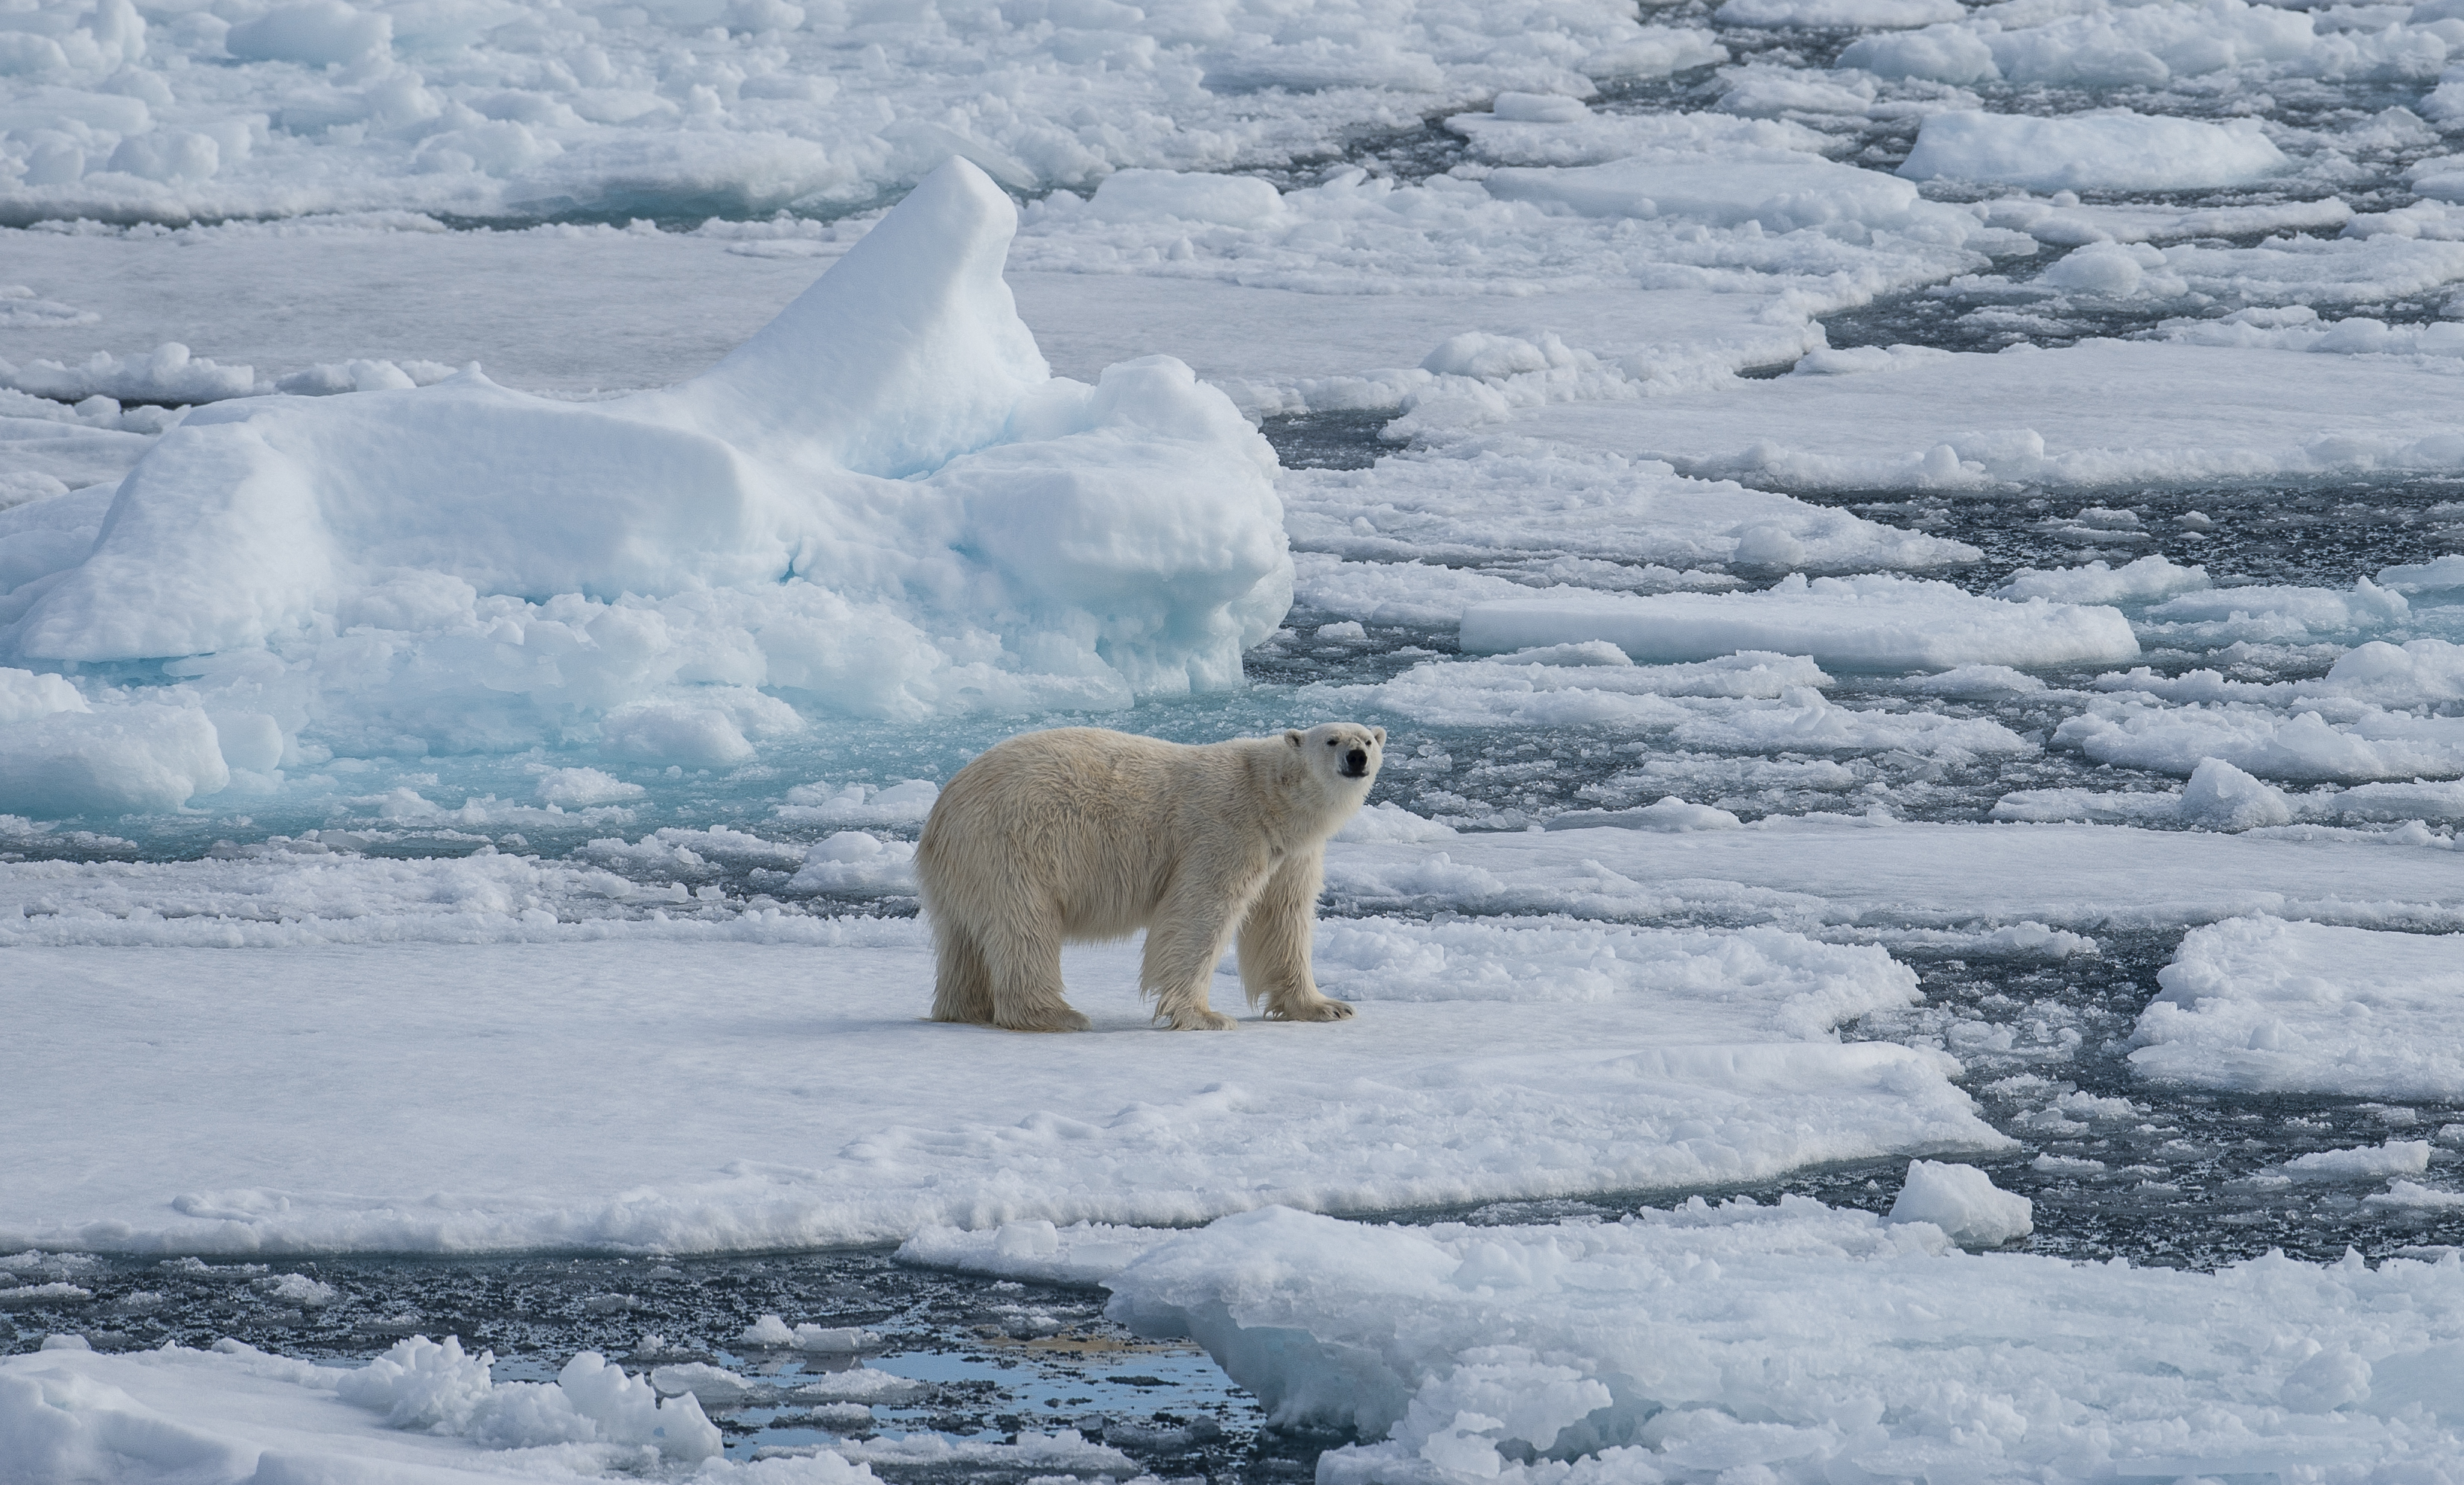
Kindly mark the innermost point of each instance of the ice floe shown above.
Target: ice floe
(1635, 1350)
(1877, 623)
(2264, 1004)
(1563, 1053)
(2121, 152)
(2097, 414)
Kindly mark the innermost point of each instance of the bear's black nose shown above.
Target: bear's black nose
(1355, 763)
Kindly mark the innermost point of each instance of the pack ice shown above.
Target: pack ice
(1793, 1342)
(882, 504)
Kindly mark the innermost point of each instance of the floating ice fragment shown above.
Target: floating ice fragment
(2261, 1005)
(2149, 579)
(583, 788)
(1840, 13)
(1231, 200)
(1863, 623)
(1963, 1201)
(2221, 797)
(1670, 814)
(2365, 1162)
(767, 1331)
(2113, 151)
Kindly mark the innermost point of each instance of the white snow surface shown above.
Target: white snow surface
(1640, 1350)
(2262, 1005)
(789, 1094)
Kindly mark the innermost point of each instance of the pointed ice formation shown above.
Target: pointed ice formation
(882, 504)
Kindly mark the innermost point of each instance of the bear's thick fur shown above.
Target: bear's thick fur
(1079, 834)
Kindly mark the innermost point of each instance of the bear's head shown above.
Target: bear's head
(1344, 753)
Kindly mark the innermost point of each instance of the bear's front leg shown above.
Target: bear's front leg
(1184, 942)
(1276, 935)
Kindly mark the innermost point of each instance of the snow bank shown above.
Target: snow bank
(1647, 1349)
(1878, 623)
(893, 511)
(1532, 1059)
(2115, 151)
(2261, 1005)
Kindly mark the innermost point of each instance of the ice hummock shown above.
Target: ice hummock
(882, 504)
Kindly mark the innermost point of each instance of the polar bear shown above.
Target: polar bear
(1080, 834)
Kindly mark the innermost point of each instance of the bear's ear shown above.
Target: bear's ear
(1379, 733)
(1293, 737)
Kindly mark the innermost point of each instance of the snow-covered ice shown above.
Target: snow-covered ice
(774, 1096)
(1637, 1350)
(2263, 1004)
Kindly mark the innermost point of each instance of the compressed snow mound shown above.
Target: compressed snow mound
(1642, 1350)
(2117, 151)
(1963, 1201)
(1876, 623)
(2261, 1005)
(881, 504)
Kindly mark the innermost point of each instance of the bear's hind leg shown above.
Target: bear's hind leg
(962, 985)
(1275, 939)
(1026, 981)
(1184, 942)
